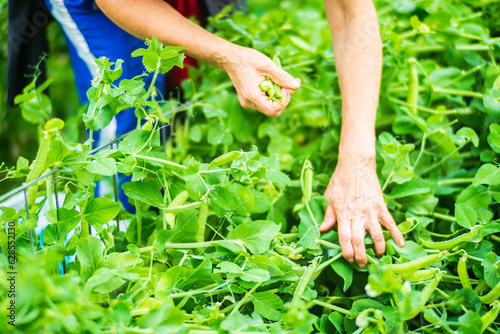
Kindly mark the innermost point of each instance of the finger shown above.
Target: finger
(269, 107)
(358, 242)
(377, 237)
(329, 219)
(389, 223)
(282, 78)
(345, 239)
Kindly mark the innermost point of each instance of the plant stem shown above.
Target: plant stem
(331, 307)
(455, 181)
(327, 244)
(442, 161)
(162, 161)
(247, 295)
(444, 217)
(438, 48)
(422, 147)
(139, 220)
(494, 237)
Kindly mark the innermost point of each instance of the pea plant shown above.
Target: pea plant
(225, 235)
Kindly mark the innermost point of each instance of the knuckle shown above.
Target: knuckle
(344, 237)
(378, 237)
(357, 240)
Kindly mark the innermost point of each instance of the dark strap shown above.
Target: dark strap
(26, 43)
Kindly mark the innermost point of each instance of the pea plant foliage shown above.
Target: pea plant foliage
(225, 234)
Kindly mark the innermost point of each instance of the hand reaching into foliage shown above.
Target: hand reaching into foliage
(247, 68)
(355, 198)
(356, 203)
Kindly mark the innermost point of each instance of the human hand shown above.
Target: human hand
(356, 203)
(247, 68)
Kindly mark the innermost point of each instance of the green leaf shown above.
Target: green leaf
(344, 270)
(488, 174)
(362, 304)
(494, 137)
(256, 235)
(221, 200)
(256, 275)
(412, 187)
(476, 197)
(138, 140)
(491, 269)
(228, 268)
(145, 192)
(217, 134)
(157, 57)
(268, 305)
(103, 166)
(101, 210)
(309, 225)
(63, 216)
(465, 134)
(465, 215)
(470, 323)
(411, 250)
(90, 254)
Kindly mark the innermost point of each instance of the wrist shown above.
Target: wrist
(225, 55)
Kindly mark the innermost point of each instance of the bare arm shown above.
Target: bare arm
(246, 67)
(355, 199)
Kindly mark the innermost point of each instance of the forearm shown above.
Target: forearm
(146, 18)
(358, 58)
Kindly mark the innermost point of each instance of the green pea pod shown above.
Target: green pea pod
(224, 159)
(490, 317)
(420, 275)
(178, 201)
(38, 166)
(442, 245)
(307, 180)
(414, 265)
(462, 272)
(412, 99)
(304, 279)
(493, 295)
(273, 90)
(427, 293)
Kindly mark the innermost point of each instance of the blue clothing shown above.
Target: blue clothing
(91, 35)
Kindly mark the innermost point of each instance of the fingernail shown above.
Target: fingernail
(295, 84)
(351, 260)
(362, 265)
(322, 226)
(401, 242)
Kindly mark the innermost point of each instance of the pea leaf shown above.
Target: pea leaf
(344, 270)
(145, 192)
(256, 275)
(465, 215)
(256, 235)
(268, 305)
(102, 166)
(101, 210)
(90, 256)
(487, 174)
(494, 138)
(412, 187)
(476, 197)
(309, 225)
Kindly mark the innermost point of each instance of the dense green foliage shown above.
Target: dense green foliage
(225, 238)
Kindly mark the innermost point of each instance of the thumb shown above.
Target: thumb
(329, 219)
(283, 79)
